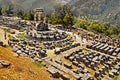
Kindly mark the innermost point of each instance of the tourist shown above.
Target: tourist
(78, 33)
(82, 36)
(35, 35)
(87, 37)
(74, 37)
(5, 35)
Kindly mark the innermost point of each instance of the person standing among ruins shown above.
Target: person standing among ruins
(35, 35)
(27, 30)
(87, 37)
(5, 35)
(82, 37)
(74, 36)
(78, 33)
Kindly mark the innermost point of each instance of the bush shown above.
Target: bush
(39, 64)
(22, 35)
(62, 15)
(99, 27)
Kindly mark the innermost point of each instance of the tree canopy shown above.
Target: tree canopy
(99, 27)
(62, 15)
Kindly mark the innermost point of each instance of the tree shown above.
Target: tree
(3, 11)
(108, 32)
(68, 19)
(99, 27)
(53, 19)
(10, 10)
(28, 15)
(115, 29)
(62, 15)
(96, 26)
(0, 11)
(83, 23)
(19, 13)
(7, 11)
(118, 36)
(31, 15)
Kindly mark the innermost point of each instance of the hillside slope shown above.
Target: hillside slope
(104, 10)
(48, 5)
(21, 68)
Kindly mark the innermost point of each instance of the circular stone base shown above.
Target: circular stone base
(50, 35)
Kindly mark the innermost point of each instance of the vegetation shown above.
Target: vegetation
(19, 13)
(28, 15)
(38, 64)
(0, 11)
(7, 46)
(115, 78)
(23, 36)
(7, 11)
(10, 11)
(98, 27)
(62, 15)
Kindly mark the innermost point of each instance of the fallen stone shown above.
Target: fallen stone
(5, 63)
(12, 31)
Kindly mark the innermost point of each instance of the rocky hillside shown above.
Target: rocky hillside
(31, 4)
(104, 10)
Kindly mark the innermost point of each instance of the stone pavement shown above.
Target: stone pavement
(76, 37)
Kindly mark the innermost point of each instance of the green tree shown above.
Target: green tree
(68, 19)
(31, 14)
(54, 18)
(3, 11)
(108, 32)
(26, 16)
(10, 10)
(82, 23)
(0, 11)
(118, 36)
(99, 27)
(19, 13)
(62, 15)
(115, 29)
(96, 26)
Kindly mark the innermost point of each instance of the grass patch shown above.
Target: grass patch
(22, 35)
(6, 30)
(38, 64)
(7, 46)
(115, 78)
